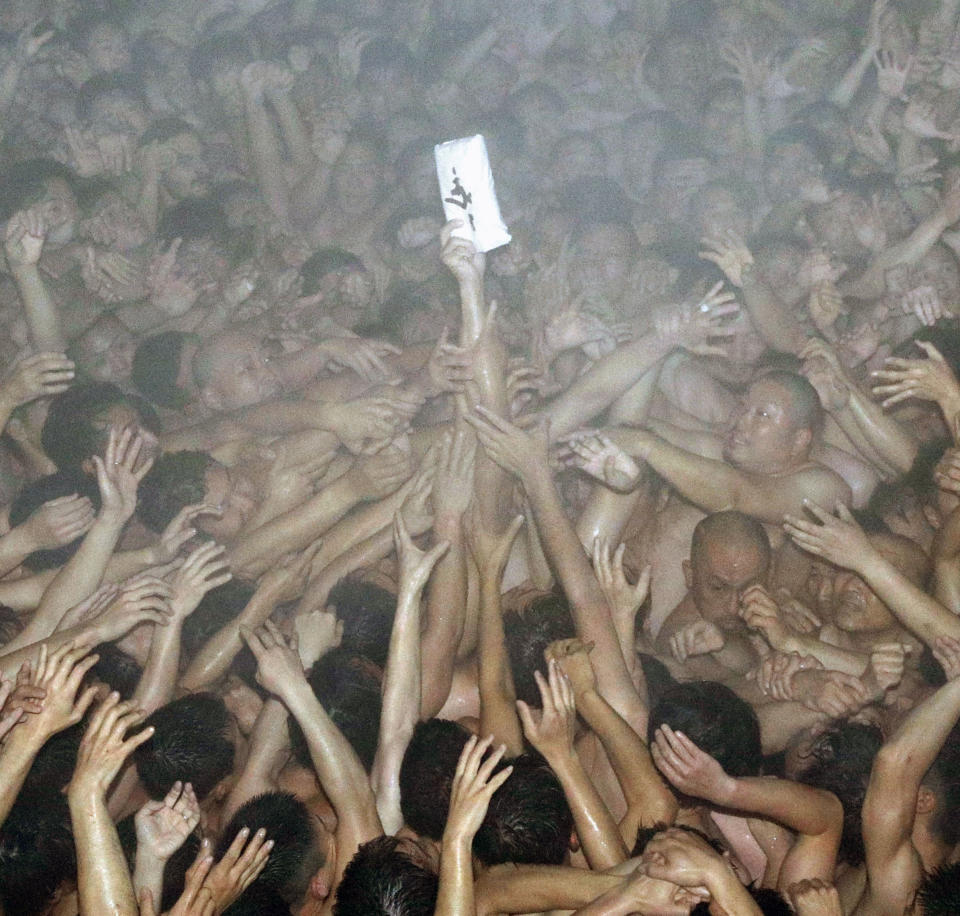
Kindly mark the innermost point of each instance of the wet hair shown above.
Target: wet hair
(426, 775)
(714, 718)
(69, 435)
(381, 879)
(52, 768)
(156, 366)
(189, 744)
(527, 636)
(384, 55)
(24, 183)
(350, 694)
(36, 852)
(943, 779)
(657, 675)
(176, 480)
(216, 609)
(258, 901)
(117, 669)
(842, 760)
(770, 902)
(646, 834)
(323, 262)
(35, 494)
(104, 84)
(10, 624)
(731, 525)
(528, 820)
(367, 612)
(939, 893)
(193, 218)
(164, 129)
(287, 822)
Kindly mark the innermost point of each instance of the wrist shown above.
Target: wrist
(447, 527)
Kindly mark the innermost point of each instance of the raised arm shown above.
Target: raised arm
(402, 682)
(525, 455)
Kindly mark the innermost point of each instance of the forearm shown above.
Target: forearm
(894, 444)
(914, 608)
(103, 882)
(400, 708)
(775, 324)
(148, 874)
(596, 829)
(215, 658)
(833, 658)
(912, 749)
(16, 758)
(445, 617)
(366, 553)
(84, 634)
(535, 888)
(159, 676)
(589, 607)
(269, 750)
(780, 722)
(84, 571)
(642, 786)
(609, 378)
(294, 132)
(803, 809)
(842, 95)
(498, 711)
(266, 157)
(252, 555)
(455, 892)
(43, 318)
(15, 546)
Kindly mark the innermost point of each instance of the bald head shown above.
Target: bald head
(730, 552)
(233, 371)
(803, 403)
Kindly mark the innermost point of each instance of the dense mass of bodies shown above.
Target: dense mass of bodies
(345, 569)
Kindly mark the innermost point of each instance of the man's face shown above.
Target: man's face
(348, 297)
(819, 587)
(234, 495)
(120, 416)
(357, 179)
(856, 608)
(108, 49)
(763, 436)
(720, 572)
(106, 351)
(60, 209)
(242, 375)
(601, 265)
(188, 174)
(792, 171)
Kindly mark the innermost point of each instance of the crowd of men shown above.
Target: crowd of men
(346, 569)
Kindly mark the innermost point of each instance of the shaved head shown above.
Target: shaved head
(732, 530)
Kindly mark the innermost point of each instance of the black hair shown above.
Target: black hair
(102, 84)
(52, 768)
(841, 762)
(156, 366)
(164, 129)
(36, 852)
(216, 609)
(287, 822)
(546, 620)
(714, 718)
(657, 675)
(381, 879)
(189, 744)
(11, 625)
(528, 820)
(426, 775)
(258, 901)
(176, 480)
(770, 902)
(193, 218)
(943, 778)
(23, 183)
(646, 834)
(35, 494)
(117, 669)
(385, 54)
(70, 436)
(350, 694)
(367, 612)
(323, 262)
(939, 893)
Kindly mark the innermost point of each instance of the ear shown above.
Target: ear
(687, 573)
(573, 844)
(926, 801)
(88, 467)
